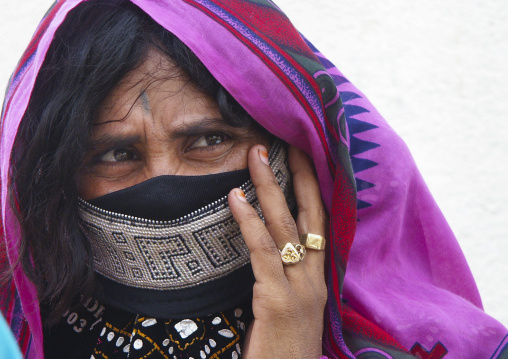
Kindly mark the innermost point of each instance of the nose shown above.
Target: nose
(163, 163)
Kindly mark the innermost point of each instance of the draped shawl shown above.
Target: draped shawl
(408, 291)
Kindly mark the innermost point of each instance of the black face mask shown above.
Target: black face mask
(167, 198)
(169, 247)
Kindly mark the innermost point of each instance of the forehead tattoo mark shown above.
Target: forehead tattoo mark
(145, 101)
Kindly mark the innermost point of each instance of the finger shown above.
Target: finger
(311, 212)
(278, 219)
(265, 257)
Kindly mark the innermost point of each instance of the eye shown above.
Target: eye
(118, 155)
(209, 140)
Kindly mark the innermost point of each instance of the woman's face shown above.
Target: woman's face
(156, 122)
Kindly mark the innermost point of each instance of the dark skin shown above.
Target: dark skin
(288, 301)
(155, 122)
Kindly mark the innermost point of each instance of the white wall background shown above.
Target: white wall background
(436, 70)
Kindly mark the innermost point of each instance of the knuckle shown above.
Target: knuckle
(287, 224)
(315, 215)
(316, 298)
(266, 243)
(284, 226)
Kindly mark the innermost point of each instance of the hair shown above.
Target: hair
(96, 46)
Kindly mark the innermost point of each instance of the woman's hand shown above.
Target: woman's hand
(289, 300)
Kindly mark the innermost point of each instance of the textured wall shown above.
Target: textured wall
(436, 71)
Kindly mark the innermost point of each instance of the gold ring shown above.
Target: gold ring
(313, 241)
(292, 253)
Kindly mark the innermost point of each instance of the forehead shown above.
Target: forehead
(157, 85)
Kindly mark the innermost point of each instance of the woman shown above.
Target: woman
(399, 299)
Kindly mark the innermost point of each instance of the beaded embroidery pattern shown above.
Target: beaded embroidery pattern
(214, 336)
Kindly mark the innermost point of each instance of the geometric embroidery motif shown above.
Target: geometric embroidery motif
(163, 266)
(218, 242)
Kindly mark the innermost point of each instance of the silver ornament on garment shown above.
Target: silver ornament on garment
(163, 255)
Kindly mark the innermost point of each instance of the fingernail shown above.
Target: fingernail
(240, 195)
(263, 155)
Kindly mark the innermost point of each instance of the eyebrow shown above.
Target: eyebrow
(192, 128)
(108, 141)
(198, 127)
